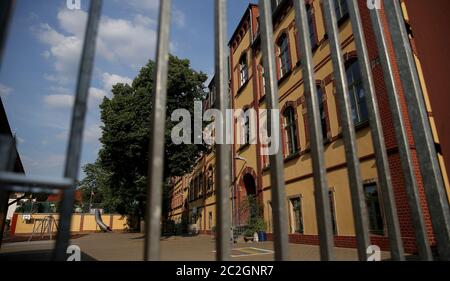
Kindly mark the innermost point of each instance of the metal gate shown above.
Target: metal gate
(430, 170)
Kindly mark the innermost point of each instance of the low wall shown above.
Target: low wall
(80, 222)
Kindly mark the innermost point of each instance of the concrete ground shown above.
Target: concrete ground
(129, 247)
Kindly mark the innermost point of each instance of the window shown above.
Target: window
(275, 4)
(201, 179)
(210, 218)
(323, 116)
(197, 186)
(376, 223)
(297, 219)
(210, 183)
(312, 25)
(243, 69)
(284, 56)
(262, 81)
(191, 190)
(265, 156)
(356, 92)
(212, 96)
(246, 127)
(290, 129)
(341, 8)
(333, 211)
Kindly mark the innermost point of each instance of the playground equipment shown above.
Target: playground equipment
(99, 221)
(44, 226)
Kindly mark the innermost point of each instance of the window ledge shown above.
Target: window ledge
(292, 156)
(362, 125)
(284, 77)
(243, 147)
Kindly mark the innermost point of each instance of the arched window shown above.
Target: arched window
(262, 81)
(341, 8)
(356, 92)
(200, 184)
(312, 25)
(210, 180)
(284, 56)
(290, 129)
(243, 69)
(323, 116)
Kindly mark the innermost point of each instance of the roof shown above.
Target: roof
(5, 129)
(244, 16)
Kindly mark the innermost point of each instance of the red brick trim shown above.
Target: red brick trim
(247, 170)
(348, 241)
(13, 225)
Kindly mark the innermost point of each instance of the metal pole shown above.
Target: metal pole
(223, 174)
(423, 138)
(6, 11)
(77, 128)
(402, 139)
(382, 163)
(158, 125)
(276, 161)
(323, 209)
(348, 130)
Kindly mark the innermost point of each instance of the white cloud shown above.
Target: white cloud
(148, 5)
(92, 133)
(64, 51)
(43, 164)
(64, 100)
(179, 18)
(5, 90)
(96, 94)
(125, 42)
(20, 140)
(109, 80)
(59, 101)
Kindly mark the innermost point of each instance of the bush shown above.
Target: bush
(255, 224)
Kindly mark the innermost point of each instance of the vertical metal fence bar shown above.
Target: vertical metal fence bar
(223, 150)
(276, 161)
(402, 140)
(158, 125)
(382, 163)
(348, 130)
(423, 138)
(77, 127)
(6, 11)
(323, 209)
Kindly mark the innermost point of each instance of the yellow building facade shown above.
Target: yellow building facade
(251, 169)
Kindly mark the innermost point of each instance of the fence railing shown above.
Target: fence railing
(434, 187)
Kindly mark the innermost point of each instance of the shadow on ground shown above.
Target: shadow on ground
(39, 255)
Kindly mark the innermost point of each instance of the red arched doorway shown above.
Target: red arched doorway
(248, 195)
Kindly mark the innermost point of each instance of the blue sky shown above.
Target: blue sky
(37, 78)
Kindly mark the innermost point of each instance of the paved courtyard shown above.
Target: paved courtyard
(129, 247)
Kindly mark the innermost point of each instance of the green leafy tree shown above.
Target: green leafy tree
(123, 158)
(94, 187)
